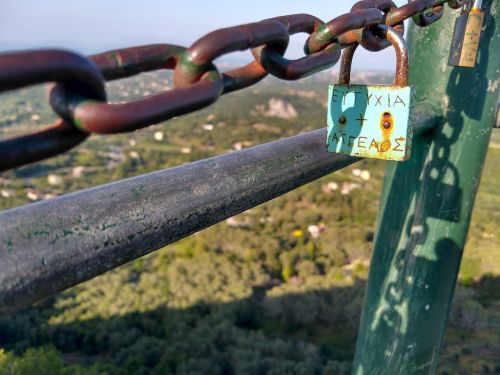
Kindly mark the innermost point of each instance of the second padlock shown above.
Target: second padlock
(372, 121)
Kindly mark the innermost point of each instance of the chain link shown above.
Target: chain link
(94, 116)
(79, 96)
(274, 62)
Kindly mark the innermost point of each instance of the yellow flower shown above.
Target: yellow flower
(297, 233)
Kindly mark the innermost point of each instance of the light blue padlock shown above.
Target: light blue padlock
(372, 121)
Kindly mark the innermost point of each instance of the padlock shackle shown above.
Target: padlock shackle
(472, 5)
(402, 64)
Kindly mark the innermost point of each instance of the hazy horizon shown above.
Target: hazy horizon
(96, 26)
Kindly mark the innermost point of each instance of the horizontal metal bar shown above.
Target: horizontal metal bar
(48, 246)
(51, 245)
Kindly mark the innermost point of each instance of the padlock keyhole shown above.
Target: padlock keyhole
(386, 120)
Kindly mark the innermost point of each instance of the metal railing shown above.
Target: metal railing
(55, 244)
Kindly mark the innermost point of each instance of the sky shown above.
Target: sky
(93, 26)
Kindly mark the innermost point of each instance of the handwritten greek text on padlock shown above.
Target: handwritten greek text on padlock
(372, 121)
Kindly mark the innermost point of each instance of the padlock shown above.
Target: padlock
(372, 121)
(466, 34)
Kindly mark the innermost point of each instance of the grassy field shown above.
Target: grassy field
(482, 252)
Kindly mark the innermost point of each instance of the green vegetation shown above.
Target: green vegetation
(275, 290)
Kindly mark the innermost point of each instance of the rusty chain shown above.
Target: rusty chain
(79, 97)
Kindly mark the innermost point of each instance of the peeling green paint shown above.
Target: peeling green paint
(53, 240)
(211, 76)
(10, 245)
(322, 37)
(104, 227)
(188, 66)
(80, 103)
(67, 232)
(138, 190)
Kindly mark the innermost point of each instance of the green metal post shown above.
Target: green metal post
(427, 203)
